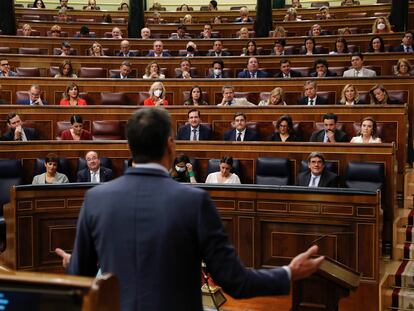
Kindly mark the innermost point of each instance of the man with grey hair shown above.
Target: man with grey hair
(230, 100)
(317, 175)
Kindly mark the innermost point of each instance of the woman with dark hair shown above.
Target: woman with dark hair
(224, 176)
(39, 4)
(182, 170)
(283, 130)
(123, 7)
(250, 49)
(71, 96)
(196, 97)
(51, 176)
(310, 46)
(76, 131)
(376, 45)
(66, 70)
(379, 96)
(367, 133)
(341, 46)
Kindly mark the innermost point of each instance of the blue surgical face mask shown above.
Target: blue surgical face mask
(180, 169)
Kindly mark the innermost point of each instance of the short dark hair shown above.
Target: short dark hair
(286, 118)
(65, 44)
(316, 154)
(280, 41)
(227, 160)
(213, 3)
(10, 116)
(183, 27)
(84, 30)
(330, 116)
(238, 114)
(76, 119)
(181, 158)
(193, 110)
(52, 157)
(320, 61)
(147, 131)
(218, 61)
(284, 61)
(359, 54)
(185, 59)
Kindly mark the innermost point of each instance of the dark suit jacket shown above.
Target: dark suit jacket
(293, 74)
(246, 74)
(239, 20)
(340, 136)
(329, 73)
(319, 101)
(31, 134)
(223, 53)
(184, 132)
(105, 174)
(118, 76)
(164, 54)
(250, 135)
(213, 35)
(224, 74)
(27, 102)
(276, 137)
(400, 48)
(68, 7)
(152, 233)
(328, 179)
(130, 54)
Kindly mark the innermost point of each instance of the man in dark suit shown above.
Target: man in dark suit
(218, 50)
(94, 172)
(125, 52)
(252, 70)
(406, 45)
(64, 4)
(279, 47)
(181, 33)
(330, 134)
(317, 175)
(207, 32)
(240, 131)
(152, 232)
(158, 50)
(124, 71)
(286, 71)
(34, 97)
(16, 131)
(321, 69)
(217, 72)
(194, 130)
(311, 97)
(185, 69)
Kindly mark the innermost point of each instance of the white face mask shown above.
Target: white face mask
(381, 26)
(157, 93)
(217, 72)
(179, 169)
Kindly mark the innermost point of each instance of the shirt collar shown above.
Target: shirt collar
(151, 165)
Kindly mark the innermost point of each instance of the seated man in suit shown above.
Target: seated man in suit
(5, 70)
(16, 131)
(158, 50)
(217, 72)
(286, 71)
(252, 70)
(192, 49)
(65, 48)
(406, 45)
(230, 100)
(218, 50)
(124, 71)
(94, 172)
(321, 69)
(34, 97)
(330, 134)
(185, 66)
(279, 47)
(181, 33)
(207, 32)
(125, 52)
(240, 131)
(84, 33)
(64, 4)
(116, 33)
(244, 16)
(357, 70)
(145, 33)
(317, 175)
(311, 98)
(194, 130)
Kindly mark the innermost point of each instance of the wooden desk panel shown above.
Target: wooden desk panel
(262, 237)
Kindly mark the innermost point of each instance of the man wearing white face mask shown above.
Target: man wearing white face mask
(217, 70)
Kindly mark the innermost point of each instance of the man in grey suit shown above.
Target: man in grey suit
(153, 232)
(317, 175)
(357, 70)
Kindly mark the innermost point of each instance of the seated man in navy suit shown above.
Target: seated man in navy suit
(158, 50)
(240, 131)
(217, 72)
(185, 69)
(244, 16)
(207, 32)
(218, 50)
(124, 71)
(16, 131)
(194, 130)
(321, 69)
(94, 172)
(330, 134)
(34, 97)
(285, 71)
(317, 175)
(406, 45)
(311, 97)
(125, 52)
(252, 70)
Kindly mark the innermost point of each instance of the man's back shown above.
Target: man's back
(152, 233)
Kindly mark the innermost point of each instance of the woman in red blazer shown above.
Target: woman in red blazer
(71, 96)
(157, 95)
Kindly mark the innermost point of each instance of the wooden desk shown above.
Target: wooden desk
(267, 225)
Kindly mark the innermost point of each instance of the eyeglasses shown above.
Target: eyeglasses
(6, 64)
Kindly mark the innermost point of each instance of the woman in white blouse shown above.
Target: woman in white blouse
(368, 132)
(224, 176)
